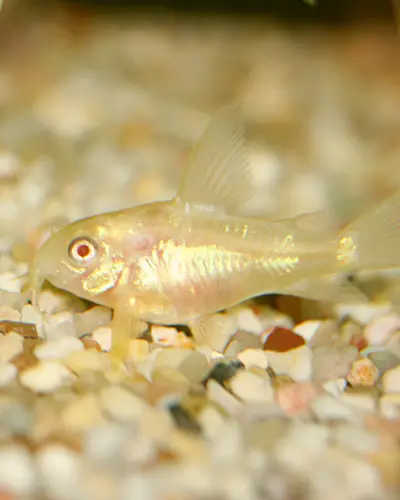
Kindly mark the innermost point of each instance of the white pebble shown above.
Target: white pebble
(9, 314)
(391, 380)
(362, 313)
(49, 302)
(87, 360)
(91, 319)
(211, 421)
(60, 471)
(30, 315)
(389, 406)
(122, 404)
(17, 471)
(335, 386)
(46, 377)
(8, 372)
(58, 348)
(220, 396)
(9, 164)
(214, 331)
(378, 331)
(10, 282)
(297, 363)
(164, 335)
(60, 325)
(251, 388)
(254, 357)
(103, 336)
(307, 329)
(248, 321)
(11, 345)
(330, 408)
(363, 402)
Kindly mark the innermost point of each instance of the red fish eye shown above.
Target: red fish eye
(82, 250)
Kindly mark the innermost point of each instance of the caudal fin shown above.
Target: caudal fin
(373, 240)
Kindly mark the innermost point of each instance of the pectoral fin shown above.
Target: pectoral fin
(218, 174)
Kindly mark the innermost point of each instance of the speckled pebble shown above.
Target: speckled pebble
(46, 377)
(11, 345)
(58, 348)
(363, 373)
(333, 362)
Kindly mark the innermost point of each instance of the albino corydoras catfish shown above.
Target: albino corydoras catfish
(174, 261)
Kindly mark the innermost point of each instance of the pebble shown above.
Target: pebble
(60, 325)
(215, 331)
(333, 362)
(58, 348)
(50, 303)
(252, 388)
(17, 471)
(357, 439)
(266, 434)
(11, 345)
(7, 313)
(222, 398)
(211, 421)
(46, 377)
(139, 349)
(60, 471)
(389, 406)
(391, 381)
(282, 340)
(8, 372)
(296, 398)
(248, 321)
(362, 313)
(10, 282)
(87, 360)
(90, 320)
(363, 373)
(103, 336)
(82, 414)
(378, 331)
(194, 367)
(335, 386)
(30, 315)
(164, 335)
(331, 408)
(307, 329)
(224, 369)
(254, 357)
(296, 363)
(383, 358)
(362, 401)
(122, 404)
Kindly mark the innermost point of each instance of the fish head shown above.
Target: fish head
(82, 258)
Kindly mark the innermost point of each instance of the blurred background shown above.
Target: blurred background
(101, 102)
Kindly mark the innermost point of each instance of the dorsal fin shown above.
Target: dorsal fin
(218, 175)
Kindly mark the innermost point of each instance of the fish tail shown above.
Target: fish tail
(372, 241)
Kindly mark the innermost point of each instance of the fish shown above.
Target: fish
(173, 262)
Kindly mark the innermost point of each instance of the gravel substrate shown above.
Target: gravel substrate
(277, 399)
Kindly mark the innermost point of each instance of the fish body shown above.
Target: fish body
(174, 261)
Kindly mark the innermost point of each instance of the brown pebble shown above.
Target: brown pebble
(27, 358)
(91, 344)
(282, 340)
(27, 330)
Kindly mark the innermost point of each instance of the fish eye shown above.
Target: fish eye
(82, 250)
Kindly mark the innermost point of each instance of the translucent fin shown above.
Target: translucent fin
(375, 237)
(311, 221)
(218, 174)
(328, 289)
